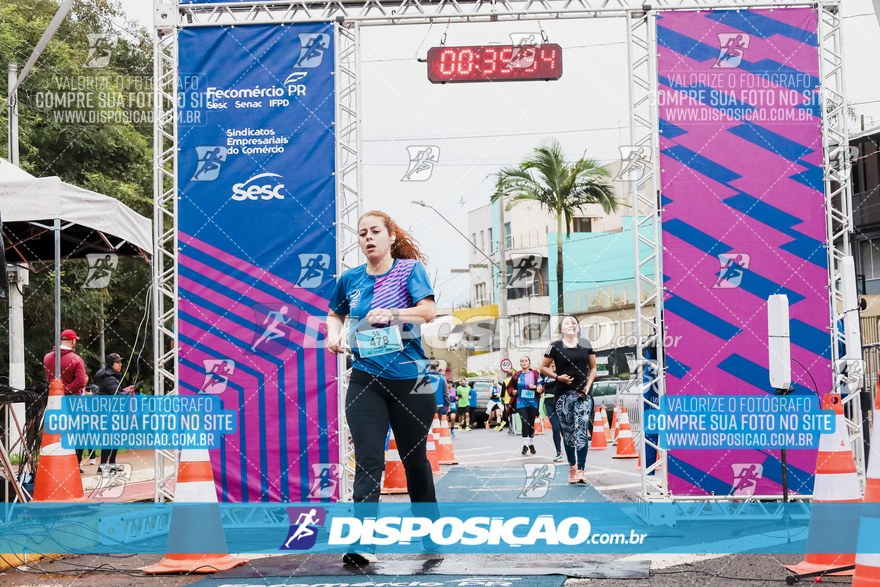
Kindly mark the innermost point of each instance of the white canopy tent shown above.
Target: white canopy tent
(98, 223)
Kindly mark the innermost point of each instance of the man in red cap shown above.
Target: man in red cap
(73, 369)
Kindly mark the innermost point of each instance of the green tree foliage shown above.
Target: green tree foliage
(561, 187)
(92, 128)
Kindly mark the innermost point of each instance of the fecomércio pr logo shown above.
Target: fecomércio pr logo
(304, 525)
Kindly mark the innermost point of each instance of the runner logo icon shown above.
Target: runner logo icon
(733, 268)
(325, 480)
(312, 48)
(746, 477)
(524, 271)
(312, 269)
(635, 162)
(304, 524)
(421, 162)
(273, 327)
(210, 159)
(217, 374)
(101, 268)
(538, 478)
(101, 48)
(732, 47)
(525, 49)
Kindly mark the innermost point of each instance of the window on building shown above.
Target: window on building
(529, 328)
(869, 257)
(491, 244)
(474, 240)
(480, 295)
(482, 240)
(508, 242)
(582, 225)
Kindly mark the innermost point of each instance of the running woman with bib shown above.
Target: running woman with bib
(575, 371)
(386, 300)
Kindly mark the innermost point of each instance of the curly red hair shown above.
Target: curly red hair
(404, 245)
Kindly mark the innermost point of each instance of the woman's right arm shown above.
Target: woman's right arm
(334, 331)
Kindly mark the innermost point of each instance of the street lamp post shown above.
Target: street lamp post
(502, 302)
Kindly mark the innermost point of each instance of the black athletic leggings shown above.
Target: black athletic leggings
(528, 415)
(371, 404)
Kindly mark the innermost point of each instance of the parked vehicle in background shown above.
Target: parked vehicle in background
(605, 393)
(483, 386)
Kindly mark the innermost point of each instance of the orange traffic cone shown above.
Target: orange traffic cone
(58, 477)
(539, 426)
(432, 454)
(867, 572)
(195, 519)
(639, 463)
(599, 442)
(395, 476)
(445, 453)
(608, 437)
(836, 482)
(626, 448)
(547, 424)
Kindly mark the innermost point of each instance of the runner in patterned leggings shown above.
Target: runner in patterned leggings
(575, 371)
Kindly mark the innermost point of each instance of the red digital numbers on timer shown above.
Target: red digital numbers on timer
(494, 63)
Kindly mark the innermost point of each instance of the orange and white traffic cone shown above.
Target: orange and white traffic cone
(836, 482)
(599, 442)
(626, 448)
(539, 426)
(395, 475)
(195, 520)
(432, 454)
(445, 452)
(58, 477)
(867, 572)
(608, 437)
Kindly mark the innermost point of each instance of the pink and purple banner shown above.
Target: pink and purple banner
(743, 218)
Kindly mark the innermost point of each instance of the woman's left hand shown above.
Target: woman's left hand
(380, 316)
(533, 387)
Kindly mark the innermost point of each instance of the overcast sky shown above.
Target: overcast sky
(483, 126)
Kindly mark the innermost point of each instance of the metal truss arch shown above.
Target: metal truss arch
(350, 16)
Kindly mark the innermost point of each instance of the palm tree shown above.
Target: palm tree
(563, 189)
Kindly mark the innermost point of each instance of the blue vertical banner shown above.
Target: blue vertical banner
(257, 259)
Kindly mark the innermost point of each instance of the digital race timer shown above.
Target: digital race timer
(494, 63)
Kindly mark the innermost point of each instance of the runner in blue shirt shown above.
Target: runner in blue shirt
(472, 404)
(524, 386)
(386, 300)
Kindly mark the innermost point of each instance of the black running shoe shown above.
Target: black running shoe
(360, 559)
(532, 448)
(525, 450)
